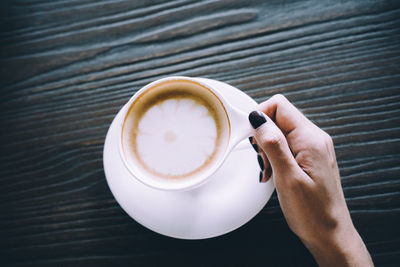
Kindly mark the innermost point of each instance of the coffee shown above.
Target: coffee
(176, 129)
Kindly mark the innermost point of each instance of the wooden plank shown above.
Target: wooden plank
(67, 67)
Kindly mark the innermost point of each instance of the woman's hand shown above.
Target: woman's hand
(300, 158)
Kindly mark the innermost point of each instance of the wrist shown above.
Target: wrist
(343, 247)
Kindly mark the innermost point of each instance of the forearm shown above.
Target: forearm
(343, 249)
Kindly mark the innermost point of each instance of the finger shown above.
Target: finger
(253, 143)
(286, 116)
(272, 141)
(263, 161)
(267, 172)
(259, 157)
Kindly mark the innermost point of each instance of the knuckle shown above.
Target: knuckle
(322, 141)
(279, 98)
(326, 139)
(319, 144)
(273, 140)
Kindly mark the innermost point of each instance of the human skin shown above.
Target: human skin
(300, 158)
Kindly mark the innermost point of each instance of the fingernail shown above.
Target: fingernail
(261, 176)
(253, 145)
(256, 119)
(260, 162)
(269, 172)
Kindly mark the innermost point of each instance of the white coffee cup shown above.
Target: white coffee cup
(141, 156)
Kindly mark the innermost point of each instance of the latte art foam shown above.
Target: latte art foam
(176, 137)
(177, 129)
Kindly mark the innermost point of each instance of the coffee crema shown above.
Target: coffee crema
(176, 129)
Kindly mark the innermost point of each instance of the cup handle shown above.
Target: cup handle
(240, 127)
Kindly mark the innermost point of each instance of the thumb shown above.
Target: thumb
(274, 144)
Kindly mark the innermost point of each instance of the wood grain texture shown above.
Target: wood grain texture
(67, 67)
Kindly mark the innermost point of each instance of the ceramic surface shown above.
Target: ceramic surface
(229, 199)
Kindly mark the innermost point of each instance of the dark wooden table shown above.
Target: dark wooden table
(67, 67)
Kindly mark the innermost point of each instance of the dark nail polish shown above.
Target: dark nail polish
(253, 145)
(260, 162)
(261, 176)
(269, 172)
(256, 119)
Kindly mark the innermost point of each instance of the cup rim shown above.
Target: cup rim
(185, 184)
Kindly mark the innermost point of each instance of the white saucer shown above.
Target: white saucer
(227, 201)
